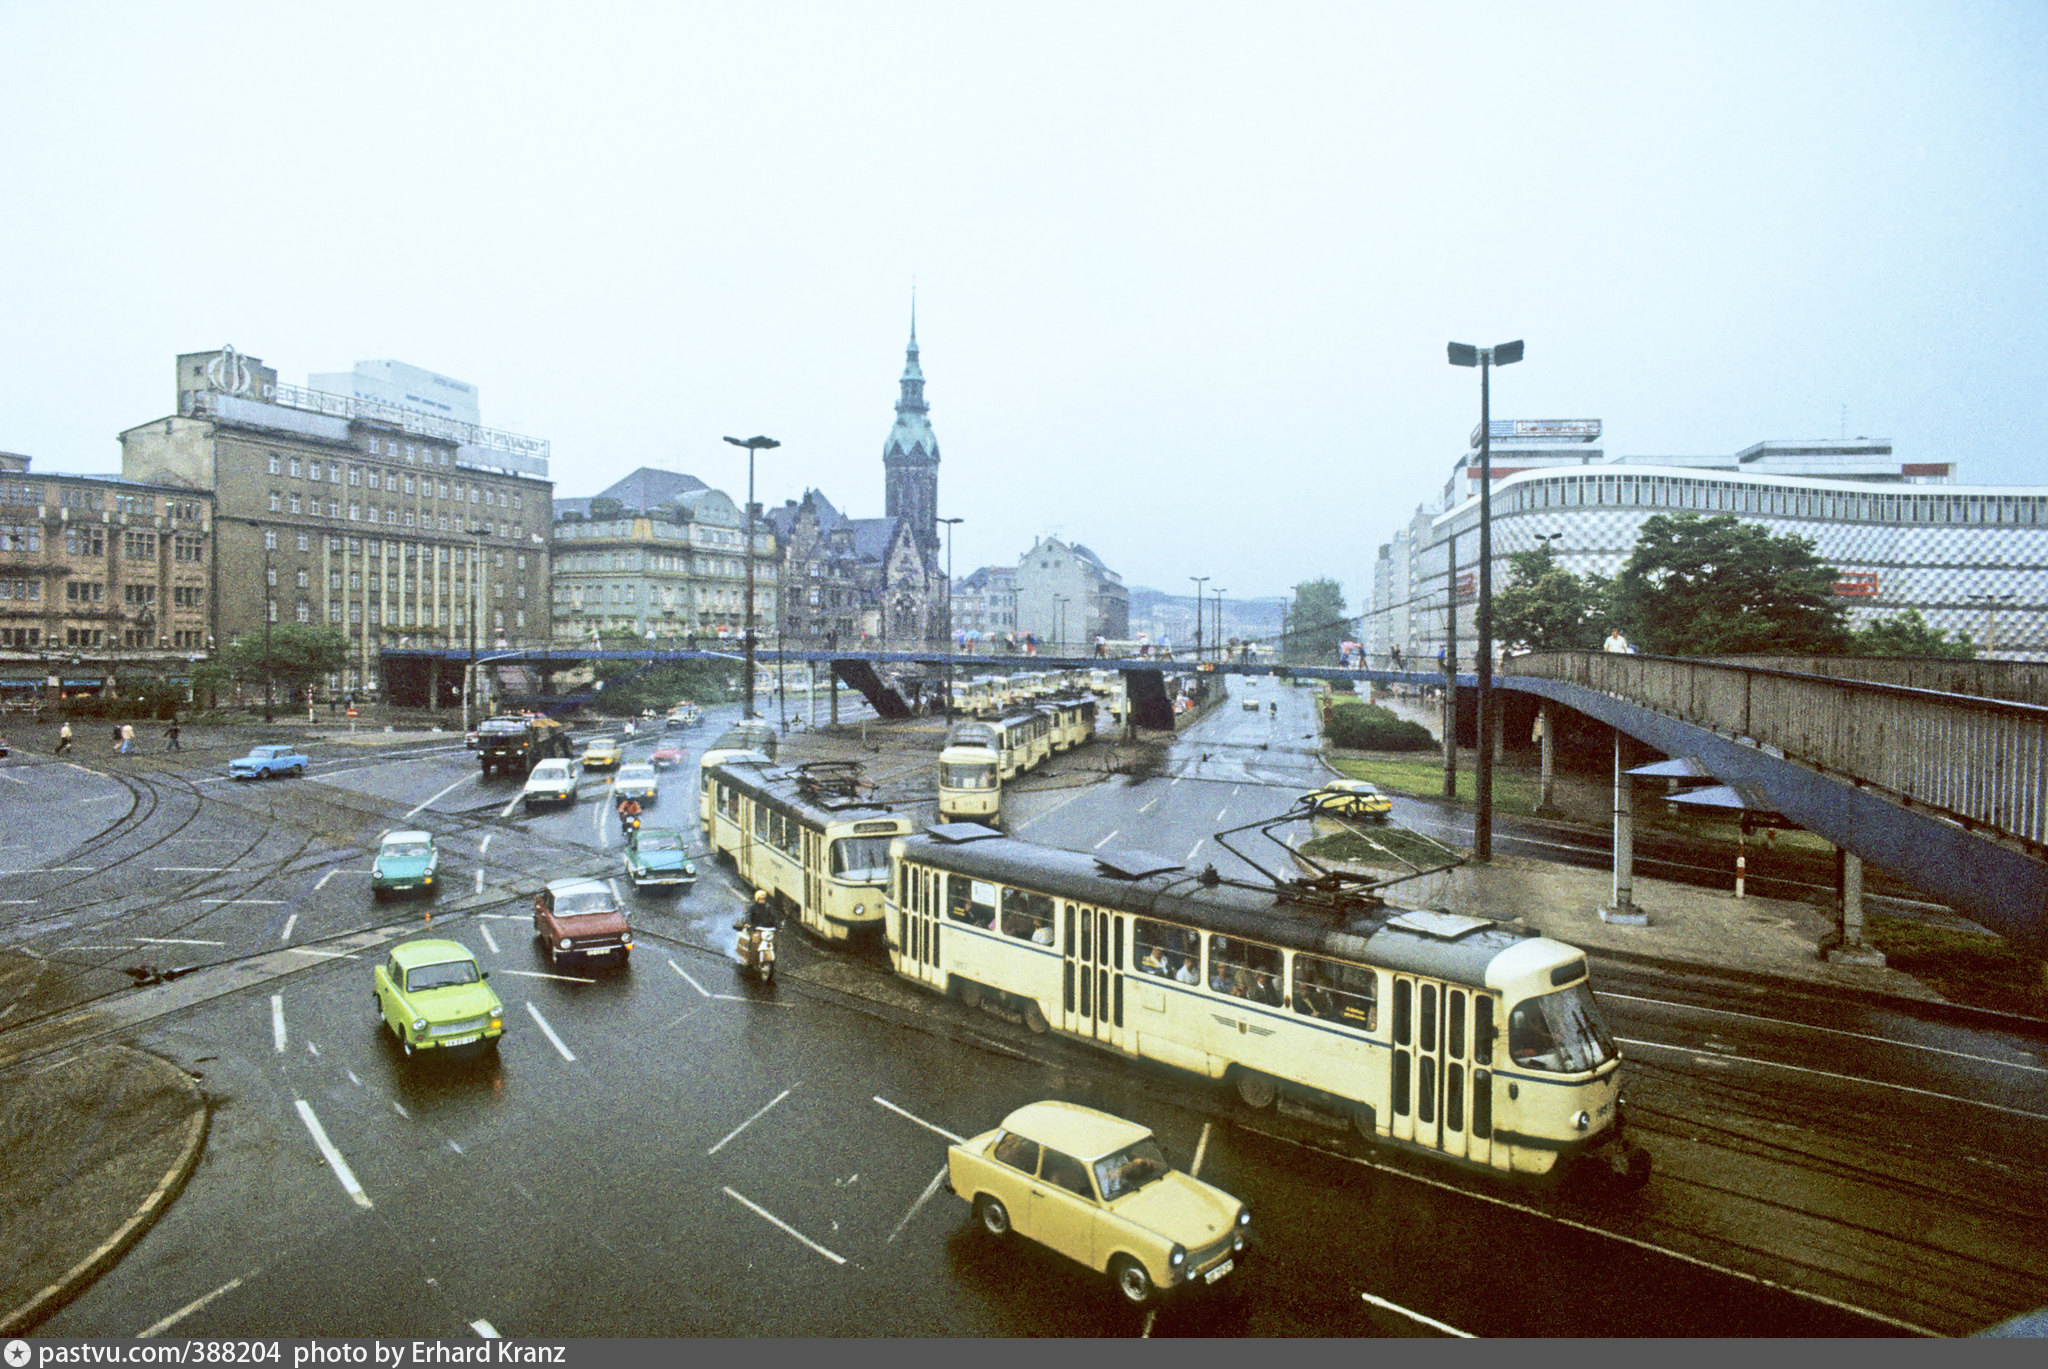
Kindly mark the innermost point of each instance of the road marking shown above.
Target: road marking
(176, 941)
(686, 975)
(400, 1108)
(450, 789)
(922, 1199)
(535, 1013)
(485, 1329)
(1431, 1322)
(479, 879)
(485, 932)
(323, 880)
(506, 812)
(1196, 847)
(1150, 806)
(1846, 1078)
(457, 1149)
(333, 1156)
(1221, 811)
(758, 1115)
(761, 1211)
(193, 1306)
(1105, 841)
(1832, 1031)
(191, 869)
(312, 1049)
(330, 955)
(17, 902)
(542, 974)
(289, 923)
(272, 902)
(483, 848)
(1201, 1147)
(928, 1126)
(277, 1022)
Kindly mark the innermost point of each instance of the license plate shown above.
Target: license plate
(472, 1038)
(1219, 1271)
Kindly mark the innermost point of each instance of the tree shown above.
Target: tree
(298, 655)
(1547, 608)
(1315, 627)
(1908, 634)
(632, 686)
(1717, 586)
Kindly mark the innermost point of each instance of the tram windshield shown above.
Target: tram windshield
(861, 859)
(1560, 1031)
(973, 775)
(1130, 1169)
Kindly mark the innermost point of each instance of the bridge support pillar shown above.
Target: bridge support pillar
(1546, 794)
(1623, 911)
(1851, 949)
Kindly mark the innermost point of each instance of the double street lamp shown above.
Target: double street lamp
(1485, 358)
(753, 445)
(1199, 580)
(1218, 638)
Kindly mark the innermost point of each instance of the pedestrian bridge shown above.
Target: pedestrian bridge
(1935, 769)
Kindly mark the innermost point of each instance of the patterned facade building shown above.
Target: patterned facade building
(1903, 534)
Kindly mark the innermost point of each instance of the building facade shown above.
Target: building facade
(1068, 597)
(99, 575)
(1903, 534)
(662, 556)
(985, 602)
(393, 526)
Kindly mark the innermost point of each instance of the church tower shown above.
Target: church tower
(910, 460)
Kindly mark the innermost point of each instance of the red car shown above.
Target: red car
(667, 757)
(581, 917)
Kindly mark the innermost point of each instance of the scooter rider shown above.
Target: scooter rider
(629, 814)
(760, 913)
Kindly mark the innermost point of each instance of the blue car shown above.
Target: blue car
(267, 762)
(655, 856)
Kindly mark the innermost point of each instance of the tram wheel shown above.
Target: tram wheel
(1034, 1019)
(1256, 1090)
(970, 993)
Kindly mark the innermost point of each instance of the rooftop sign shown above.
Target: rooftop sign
(1574, 429)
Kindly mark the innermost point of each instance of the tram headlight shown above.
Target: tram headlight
(859, 908)
(1178, 1256)
(1581, 1121)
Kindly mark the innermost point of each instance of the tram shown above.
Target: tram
(1392, 1017)
(820, 851)
(1072, 721)
(748, 739)
(970, 788)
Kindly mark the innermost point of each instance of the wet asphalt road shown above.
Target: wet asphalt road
(603, 1177)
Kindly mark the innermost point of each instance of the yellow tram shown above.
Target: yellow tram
(1450, 1035)
(970, 789)
(822, 855)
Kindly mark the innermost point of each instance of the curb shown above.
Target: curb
(68, 1285)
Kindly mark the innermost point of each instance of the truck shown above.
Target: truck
(512, 744)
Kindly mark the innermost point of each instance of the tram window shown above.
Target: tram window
(1403, 989)
(1069, 1173)
(1400, 1065)
(1428, 1041)
(1164, 952)
(862, 858)
(1027, 916)
(1425, 1083)
(970, 900)
(1116, 944)
(1455, 1026)
(1482, 1103)
(1244, 969)
(1336, 992)
(1560, 1031)
(1482, 1038)
(1454, 1097)
(760, 823)
(970, 775)
(1017, 1152)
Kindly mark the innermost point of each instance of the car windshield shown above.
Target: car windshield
(632, 774)
(1130, 1169)
(445, 975)
(407, 850)
(551, 770)
(583, 903)
(1560, 1031)
(660, 841)
(865, 859)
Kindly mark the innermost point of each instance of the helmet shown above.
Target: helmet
(760, 895)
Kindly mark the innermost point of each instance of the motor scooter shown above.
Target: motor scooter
(756, 950)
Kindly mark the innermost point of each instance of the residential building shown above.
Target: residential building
(985, 601)
(1903, 534)
(1066, 595)
(99, 575)
(663, 556)
(395, 526)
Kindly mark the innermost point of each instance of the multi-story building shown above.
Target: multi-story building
(1904, 536)
(394, 526)
(985, 602)
(99, 575)
(1068, 597)
(661, 555)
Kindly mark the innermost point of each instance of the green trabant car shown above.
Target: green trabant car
(658, 856)
(406, 863)
(432, 996)
(1097, 1189)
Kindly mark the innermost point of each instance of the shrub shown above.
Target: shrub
(1368, 727)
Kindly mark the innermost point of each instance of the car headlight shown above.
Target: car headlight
(419, 1024)
(1582, 1121)
(688, 868)
(563, 944)
(1178, 1256)
(1244, 1216)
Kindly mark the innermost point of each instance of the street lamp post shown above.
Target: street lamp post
(753, 445)
(1451, 667)
(1485, 358)
(1218, 638)
(476, 610)
(951, 645)
(269, 612)
(1199, 581)
(1991, 603)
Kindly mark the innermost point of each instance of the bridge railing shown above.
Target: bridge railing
(1983, 762)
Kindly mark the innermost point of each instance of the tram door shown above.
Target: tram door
(1091, 974)
(814, 883)
(1434, 1085)
(919, 911)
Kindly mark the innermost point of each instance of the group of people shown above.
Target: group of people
(123, 738)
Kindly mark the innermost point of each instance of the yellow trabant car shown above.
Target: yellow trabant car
(1350, 799)
(1097, 1189)
(604, 753)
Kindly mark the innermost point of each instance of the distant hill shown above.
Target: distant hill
(1159, 614)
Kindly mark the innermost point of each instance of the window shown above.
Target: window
(1027, 916)
(334, 612)
(1244, 969)
(970, 900)
(1069, 1173)
(1560, 1031)
(1017, 1152)
(29, 537)
(274, 463)
(293, 503)
(1336, 992)
(84, 592)
(187, 596)
(305, 612)
(269, 541)
(302, 541)
(270, 575)
(866, 860)
(355, 475)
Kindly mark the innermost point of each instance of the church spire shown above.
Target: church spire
(910, 458)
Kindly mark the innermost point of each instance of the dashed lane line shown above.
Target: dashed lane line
(542, 1022)
(922, 1199)
(1106, 840)
(758, 1115)
(414, 812)
(928, 1126)
(277, 1022)
(1430, 1322)
(289, 923)
(484, 1329)
(1201, 1149)
(686, 976)
(333, 1156)
(193, 1306)
(176, 941)
(489, 940)
(542, 974)
(774, 1220)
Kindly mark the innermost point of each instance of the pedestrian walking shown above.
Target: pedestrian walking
(1617, 643)
(171, 737)
(63, 739)
(126, 731)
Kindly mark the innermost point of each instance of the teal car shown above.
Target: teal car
(406, 863)
(432, 996)
(656, 856)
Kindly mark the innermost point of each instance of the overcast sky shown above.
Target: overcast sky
(1184, 272)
